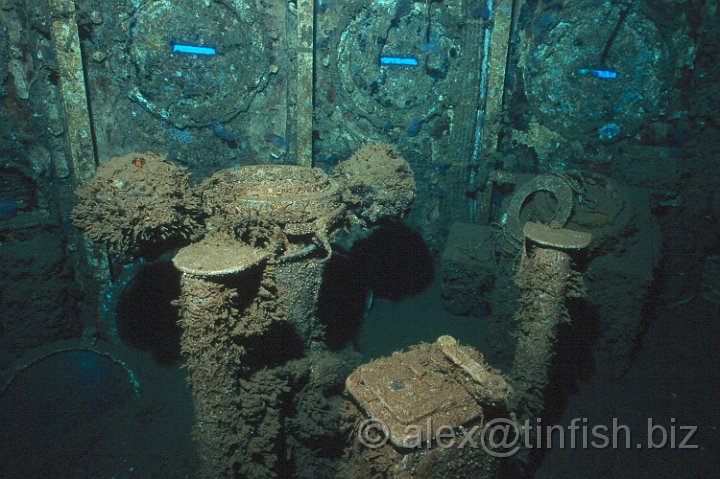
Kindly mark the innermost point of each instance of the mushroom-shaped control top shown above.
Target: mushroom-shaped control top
(217, 257)
(558, 238)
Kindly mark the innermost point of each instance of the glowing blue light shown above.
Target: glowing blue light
(404, 61)
(598, 73)
(193, 50)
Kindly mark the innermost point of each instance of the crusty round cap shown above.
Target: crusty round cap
(559, 238)
(217, 257)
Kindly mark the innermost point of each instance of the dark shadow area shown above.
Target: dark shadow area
(247, 285)
(573, 363)
(394, 261)
(279, 344)
(276, 345)
(154, 250)
(18, 192)
(573, 358)
(342, 301)
(145, 316)
(649, 313)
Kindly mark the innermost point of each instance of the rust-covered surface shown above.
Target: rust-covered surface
(429, 387)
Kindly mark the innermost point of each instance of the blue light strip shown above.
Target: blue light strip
(404, 61)
(598, 73)
(194, 50)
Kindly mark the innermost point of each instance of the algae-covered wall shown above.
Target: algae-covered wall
(42, 297)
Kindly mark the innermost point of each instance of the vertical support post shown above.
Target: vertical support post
(72, 85)
(546, 277)
(496, 60)
(66, 39)
(467, 122)
(499, 46)
(305, 80)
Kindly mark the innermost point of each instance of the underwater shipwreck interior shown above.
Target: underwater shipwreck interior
(379, 239)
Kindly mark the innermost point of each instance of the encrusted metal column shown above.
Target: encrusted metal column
(547, 278)
(213, 332)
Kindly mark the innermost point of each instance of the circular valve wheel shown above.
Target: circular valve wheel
(599, 70)
(391, 64)
(196, 65)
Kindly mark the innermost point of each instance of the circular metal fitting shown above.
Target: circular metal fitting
(283, 194)
(393, 62)
(552, 184)
(597, 69)
(189, 87)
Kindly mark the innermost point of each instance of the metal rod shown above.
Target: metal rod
(305, 80)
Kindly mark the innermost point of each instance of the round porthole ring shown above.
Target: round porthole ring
(552, 184)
